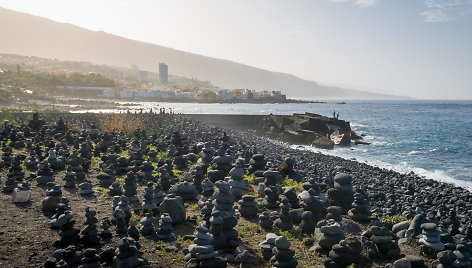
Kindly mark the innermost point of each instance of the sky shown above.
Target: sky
(416, 48)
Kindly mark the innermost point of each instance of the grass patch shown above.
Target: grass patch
(137, 216)
(294, 233)
(102, 191)
(164, 154)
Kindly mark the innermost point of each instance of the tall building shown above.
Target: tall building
(163, 73)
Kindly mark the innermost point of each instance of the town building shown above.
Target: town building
(163, 73)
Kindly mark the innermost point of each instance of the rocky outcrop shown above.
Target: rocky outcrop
(306, 128)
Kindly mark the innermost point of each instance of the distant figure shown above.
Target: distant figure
(337, 115)
(334, 114)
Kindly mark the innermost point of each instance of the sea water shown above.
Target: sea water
(430, 138)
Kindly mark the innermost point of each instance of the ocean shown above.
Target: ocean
(431, 138)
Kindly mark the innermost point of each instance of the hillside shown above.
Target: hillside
(35, 36)
(37, 64)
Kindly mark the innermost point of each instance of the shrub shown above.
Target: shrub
(249, 178)
(120, 122)
(292, 183)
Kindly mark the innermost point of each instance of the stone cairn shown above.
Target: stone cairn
(174, 206)
(383, 240)
(90, 259)
(54, 162)
(22, 193)
(291, 195)
(207, 188)
(86, 188)
(223, 202)
(268, 245)
(164, 231)
(331, 234)
(164, 178)
(105, 180)
(207, 207)
(347, 252)
(148, 204)
(158, 194)
(216, 230)
(145, 171)
(44, 174)
(115, 189)
(202, 253)
(307, 225)
(248, 206)
(287, 169)
(431, 236)
(105, 233)
(147, 225)
(236, 181)
(123, 205)
(198, 176)
(122, 165)
(284, 222)
(360, 208)
(120, 221)
(59, 218)
(206, 155)
(186, 190)
(134, 233)
(69, 235)
(31, 162)
(221, 165)
(126, 255)
(70, 178)
(342, 193)
(130, 188)
(90, 236)
(265, 221)
(10, 184)
(75, 162)
(245, 259)
(257, 162)
(283, 255)
(54, 193)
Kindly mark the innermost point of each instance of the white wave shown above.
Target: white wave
(403, 167)
(353, 124)
(414, 152)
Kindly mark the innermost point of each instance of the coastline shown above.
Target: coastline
(389, 193)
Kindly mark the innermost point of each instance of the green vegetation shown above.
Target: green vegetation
(164, 154)
(102, 191)
(249, 178)
(389, 221)
(10, 115)
(292, 183)
(15, 85)
(294, 233)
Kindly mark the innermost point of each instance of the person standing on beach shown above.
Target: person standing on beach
(334, 114)
(337, 115)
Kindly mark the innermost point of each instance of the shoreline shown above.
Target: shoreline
(389, 194)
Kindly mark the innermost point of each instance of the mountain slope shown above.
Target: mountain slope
(31, 35)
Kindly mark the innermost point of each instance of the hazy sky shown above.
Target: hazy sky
(419, 48)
